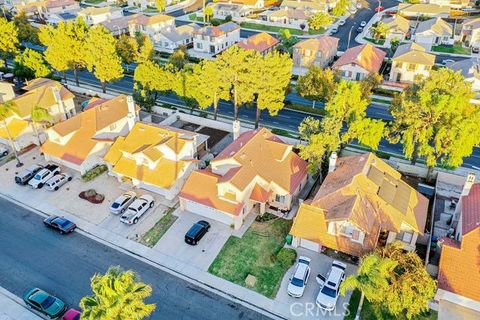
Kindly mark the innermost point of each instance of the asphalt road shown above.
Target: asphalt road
(34, 256)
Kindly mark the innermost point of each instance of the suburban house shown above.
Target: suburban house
(411, 63)
(215, 39)
(261, 42)
(470, 33)
(358, 62)
(172, 38)
(143, 4)
(459, 271)
(470, 70)
(454, 4)
(97, 15)
(223, 10)
(307, 6)
(398, 28)
(44, 9)
(362, 203)
(257, 172)
(257, 4)
(6, 91)
(318, 51)
(81, 142)
(120, 25)
(293, 18)
(40, 93)
(151, 25)
(423, 10)
(155, 158)
(433, 32)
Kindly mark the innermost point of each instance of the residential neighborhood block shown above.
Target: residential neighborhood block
(358, 62)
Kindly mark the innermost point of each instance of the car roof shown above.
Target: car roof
(39, 296)
(334, 276)
(61, 220)
(301, 270)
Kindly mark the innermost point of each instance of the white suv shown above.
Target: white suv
(297, 283)
(137, 209)
(43, 176)
(330, 285)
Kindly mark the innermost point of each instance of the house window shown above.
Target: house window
(199, 45)
(411, 67)
(279, 198)
(347, 230)
(113, 126)
(307, 53)
(359, 76)
(407, 237)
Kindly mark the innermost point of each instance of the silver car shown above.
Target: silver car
(122, 202)
(54, 183)
(137, 209)
(330, 286)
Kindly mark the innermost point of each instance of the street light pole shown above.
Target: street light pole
(350, 35)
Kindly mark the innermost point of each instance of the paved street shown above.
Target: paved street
(32, 255)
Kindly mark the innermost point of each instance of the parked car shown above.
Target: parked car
(391, 12)
(334, 30)
(44, 303)
(58, 180)
(43, 176)
(26, 175)
(298, 281)
(341, 22)
(379, 9)
(359, 29)
(447, 61)
(3, 151)
(137, 209)
(72, 314)
(363, 24)
(330, 285)
(60, 223)
(196, 232)
(121, 204)
(475, 50)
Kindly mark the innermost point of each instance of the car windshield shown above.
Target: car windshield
(297, 282)
(329, 292)
(38, 177)
(115, 205)
(48, 302)
(65, 223)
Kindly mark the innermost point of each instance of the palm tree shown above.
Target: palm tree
(6, 111)
(118, 295)
(379, 30)
(37, 115)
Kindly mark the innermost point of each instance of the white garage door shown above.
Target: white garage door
(310, 245)
(208, 212)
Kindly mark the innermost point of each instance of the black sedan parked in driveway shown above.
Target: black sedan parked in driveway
(196, 232)
(61, 224)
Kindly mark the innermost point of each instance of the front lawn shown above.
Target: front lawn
(372, 40)
(152, 236)
(369, 313)
(94, 1)
(262, 27)
(254, 254)
(456, 48)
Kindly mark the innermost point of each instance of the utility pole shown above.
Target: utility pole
(350, 35)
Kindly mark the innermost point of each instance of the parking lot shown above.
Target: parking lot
(305, 306)
(202, 255)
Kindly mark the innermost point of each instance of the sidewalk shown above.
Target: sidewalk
(13, 308)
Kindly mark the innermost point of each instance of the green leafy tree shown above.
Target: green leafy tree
(208, 13)
(309, 127)
(26, 32)
(57, 53)
(179, 58)
(7, 109)
(393, 281)
(127, 49)
(30, 64)
(317, 84)
(117, 295)
(436, 120)
(150, 79)
(39, 116)
(8, 39)
(319, 20)
(102, 56)
(145, 52)
(379, 30)
(160, 4)
(369, 83)
(340, 8)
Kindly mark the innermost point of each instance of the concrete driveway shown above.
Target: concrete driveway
(200, 256)
(305, 307)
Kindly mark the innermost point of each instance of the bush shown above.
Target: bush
(216, 22)
(286, 257)
(193, 17)
(93, 173)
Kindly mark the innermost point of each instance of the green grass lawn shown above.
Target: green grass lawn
(257, 26)
(353, 305)
(380, 41)
(152, 236)
(255, 254)
(94, 1)
(368, 313)
(456, 48)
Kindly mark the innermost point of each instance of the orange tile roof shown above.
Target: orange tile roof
(259, 194)
(260, 42)
(83, 129)
(15, 127)
(142, 19)
(244, 2)
(471, 210)
(366, 56)
(322, 44)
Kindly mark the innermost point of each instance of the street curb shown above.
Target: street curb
(17, 300)
(157, 265)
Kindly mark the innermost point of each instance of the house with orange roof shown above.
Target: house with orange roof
(459, 269)
(150, 25)
(318, 51)
(261, 42)
(290, 17)
(358, 62)
(96, 15)
(257, 4)
(214, 39)
(39, 93)
(257, 172)
(222, 10)
(362, 203)
(155, 158)
(82, 141)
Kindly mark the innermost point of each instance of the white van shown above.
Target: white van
(54, 183)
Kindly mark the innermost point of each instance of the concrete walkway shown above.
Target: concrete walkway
(13, 308)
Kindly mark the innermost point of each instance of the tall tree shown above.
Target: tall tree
(150, 79)
(272, 74)
(117, 295)
(145, 52)
(179, 58)
(317, 84)
(369, 83)
(379, 30)
(340, 8)
(102, 56)
(8, 39)
(127, 48)
(436, 120)
(319, 20)
(30, 64)
(38, 116)
(161, 5)
(393, 281)
(208, 13)
(26, 32)
(7, 109)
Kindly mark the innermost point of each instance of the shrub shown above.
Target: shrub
(94, 172)
(286, 257)
(193, 17)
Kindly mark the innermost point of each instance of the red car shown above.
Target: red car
(72, 314)
(379, 9)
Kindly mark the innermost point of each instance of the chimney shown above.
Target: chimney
(61, 106)
(236, 129)
(468, 184)
(132, 114)
(332, 162)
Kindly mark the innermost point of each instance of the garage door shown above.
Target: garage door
(307, 244)
(208, 212)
